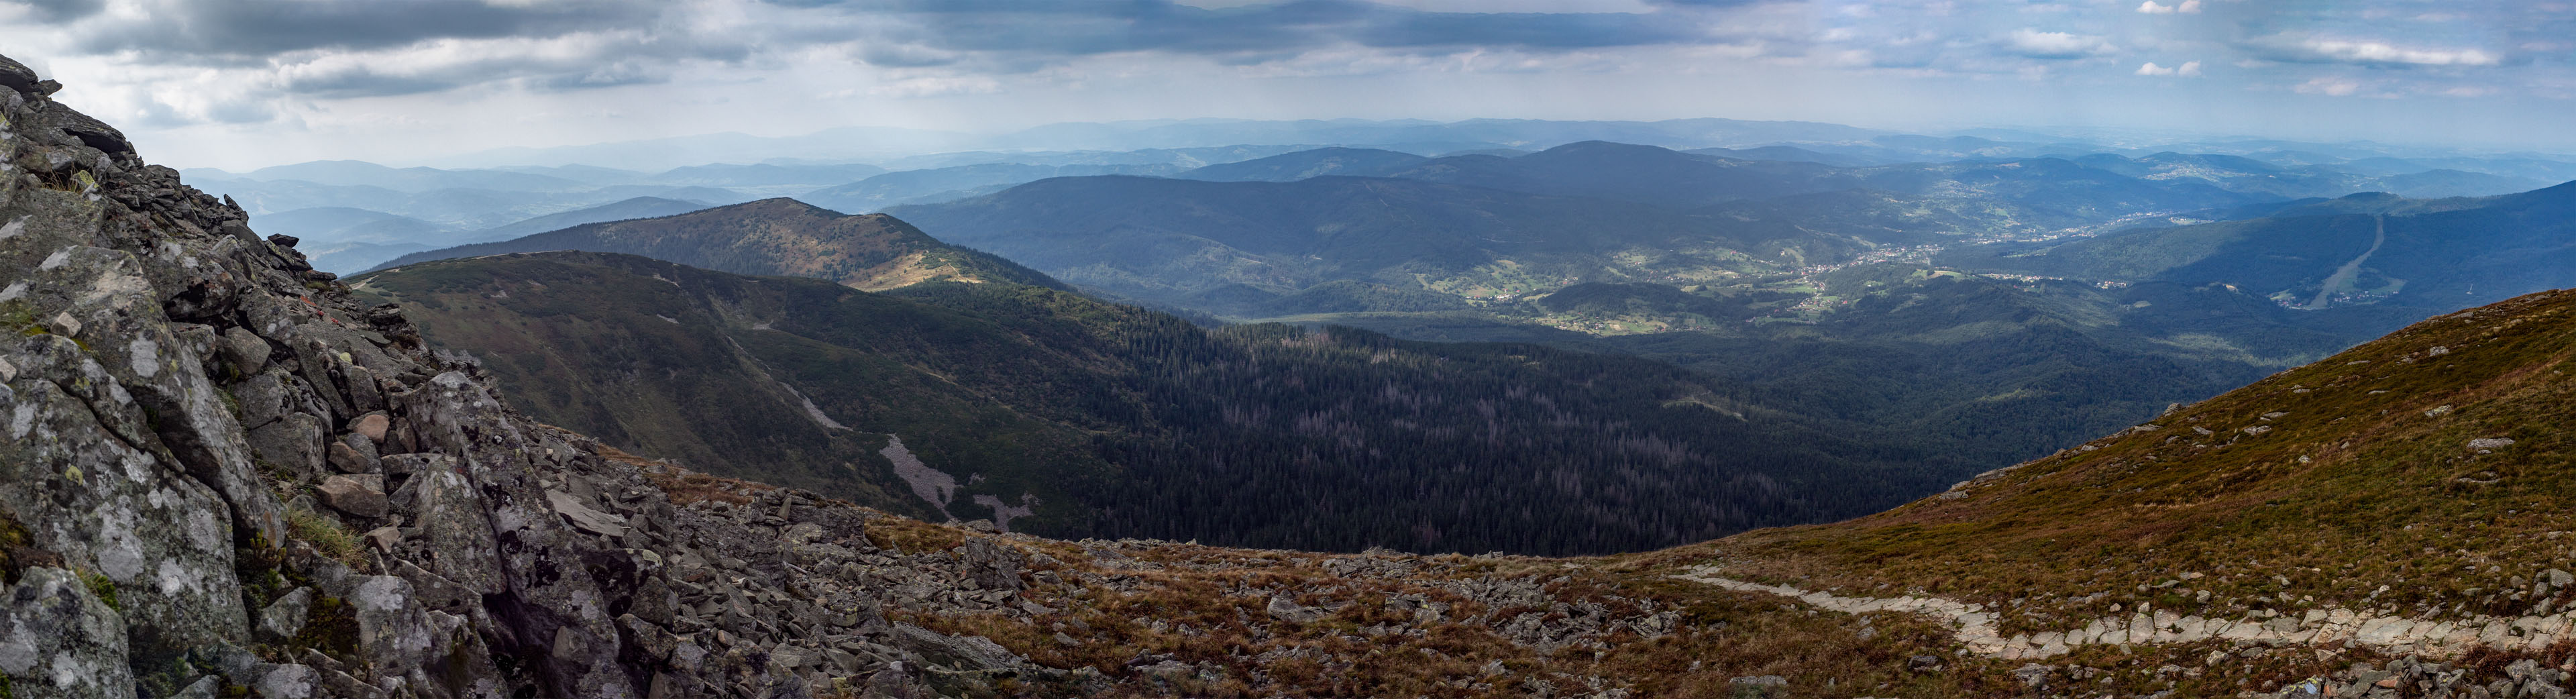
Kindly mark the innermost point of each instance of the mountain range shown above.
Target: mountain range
(231, 474)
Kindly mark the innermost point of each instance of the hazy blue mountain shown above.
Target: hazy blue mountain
(1677, 180)
(856, 143)
(1628, 172)
(639, 207)
(2435, 184)
(2431, 254)
(1165, 240)
(337, 223)
(1182, 157)
(885, 145)
(2255, 176)
(582, 173)
(452, 208)
(1690, 133)
(349, 257)
(765, 175)
(1289, 167)
(412, 179)
(1791, 154)
(949, 183)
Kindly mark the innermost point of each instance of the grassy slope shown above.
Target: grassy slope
(2337, 477)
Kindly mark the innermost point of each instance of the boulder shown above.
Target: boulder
(1288, 610)
(361, 495)
(286, 616)
(372, 426)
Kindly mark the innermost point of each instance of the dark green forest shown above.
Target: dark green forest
(1124, 422)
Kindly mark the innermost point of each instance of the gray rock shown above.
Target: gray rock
(243, 351)
(348, 459)
(53, 627)
(285, 617)
(288, 682)
(1288, 610)
(293, 442)
(582, 516)
(361, 495)
(993, 566)
(654, 602)
(975, 653)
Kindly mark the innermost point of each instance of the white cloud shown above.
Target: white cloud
(934, 86)
(2034, 43)
(2151, 7)
(2383, 53)
(2332, 87)
(2189, 69)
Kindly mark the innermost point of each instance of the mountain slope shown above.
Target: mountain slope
(773, 236)
(1166, 239)
(2428, 461)
(639, 207)
(1123, 422)
(2434, 255)
(1290, 167)
(949, 183)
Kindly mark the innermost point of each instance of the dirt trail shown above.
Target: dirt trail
(1977, 627)
(2378, 236)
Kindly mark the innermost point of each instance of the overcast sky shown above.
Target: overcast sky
(243, 83)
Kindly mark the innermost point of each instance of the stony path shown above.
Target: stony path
(2394, 635)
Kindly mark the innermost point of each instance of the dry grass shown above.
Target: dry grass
(329, 538)
(2350, 486)
(687, 487)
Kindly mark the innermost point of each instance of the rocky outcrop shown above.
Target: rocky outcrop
(199, 427)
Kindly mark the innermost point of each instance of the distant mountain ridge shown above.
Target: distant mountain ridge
(774, 237)
(2433, 255)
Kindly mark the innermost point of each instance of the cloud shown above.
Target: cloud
(51, 11)
(2151, 7)
(254, 29)
(2333, 87)
(1097, 27)
(932, 86)
(2369, 52)
(2189, 69)
(2032, 43)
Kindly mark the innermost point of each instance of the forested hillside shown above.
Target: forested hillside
(1113, 421)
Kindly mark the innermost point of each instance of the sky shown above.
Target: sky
(247, 83)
